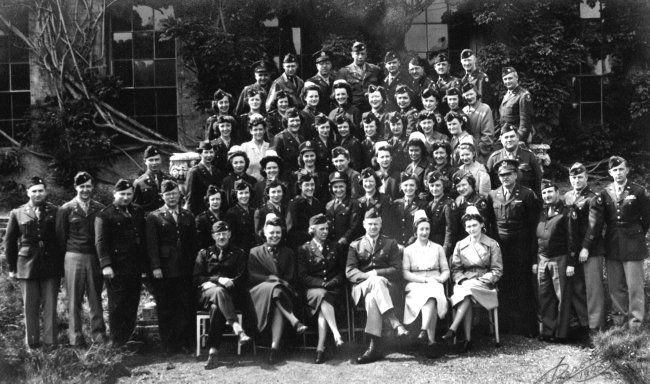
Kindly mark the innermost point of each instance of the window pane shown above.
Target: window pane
(438, 36)
(124, 102)
(161, 15)
(435, 11)
(590, 113)
(5, 106)
(147, 121)
(421, 18)
(167, 126)
(20, 101)
(19, 76)
(143, 45)
(142, 17)
(121, 22)
(165, 72)
(143, 74)
(5, 126)
(122, 45)
(165, 48)
(4, 48)
(19, 50)
(166, 101)
(590, 88)
(416, 38)
(4, 77)
(145, 102)
(124, 70)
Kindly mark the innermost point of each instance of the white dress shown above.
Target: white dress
(425, 261)
(255, 155)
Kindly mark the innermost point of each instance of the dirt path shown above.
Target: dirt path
(519, 360)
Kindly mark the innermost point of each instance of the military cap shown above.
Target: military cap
(376, 88)
(358, 46)
(305, 177)
(390, 56)
(273, 221)
(404, 176)
(546, 183)
(35, 180)
(468, 87)
(508, 70)
(395, 117)
(576, 169)
(383, 146)
(306, 146)
(371, 214)
(81, 178)
(367, 172)
(338, 177)
(452, 91)
(465, 53)
(220, 226)
(168, 186)
(271, 157)
(451, 115)
(342, 119)
(338, 151)
(507, 127)
(615, 161)
(123, 185)
(241, 185)
(428, 92)
(426, 115)
(289, 58)
(444, 144)
(505, 166)
(417, 61)
(419, 216)
(212, 190)
(204, 146)
(434, 176)
(293, 112)
(370, 118)
(460, 175)
(226, 119)
(440, 58)
(318, 219)
(321, 56)
(220, 94)
(321, 119)
(262, 66)
(151, 151)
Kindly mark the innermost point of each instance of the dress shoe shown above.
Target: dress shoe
(449, 335)
(212, 362)
(320, 357)
(244, 338)
(400, 331)
(423, 336)
(466, 346)
(371, 354)
(300, 328)
(273, 356)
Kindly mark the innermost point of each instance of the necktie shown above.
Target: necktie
(39, 212)
(175, 216)
(155, 180)
(337, 202)
(506, 193)
(220, 257)
(372, 245)
(550, 211)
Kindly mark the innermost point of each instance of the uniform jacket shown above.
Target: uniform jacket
(242, 102)
(360, 79)
(146, 192)
(325, 103)
(627, 218)
(400, 151)
(381, 202)
(286, 146)
(411, 115)
(75, 229)
(385, 259)
(554, 234)
(293, 88)
(274, 120)
(462, 204)
(402, 218)
(389, 183)
(321, 181)
(260, 217)
(447, 81)
(481, 127)
(320, 269)
(420, 169)
(482, 82)
(199, 178)
(308, 115)
(517, 109)
(324, 154)
(443, 218)
(228, 185)
(264, 262)
(351, 112)
(299, 213)
(221, 152)
(490, 267)
(31, 246)
(368, 151)
(354, 185)
(399, 79)
(204, 222)
(418, 86)
(583, 221)
(212, 263)
(171, 244)
(530, 173)
(120, 239)
(342, 219)
(382, 116)
(242, 226)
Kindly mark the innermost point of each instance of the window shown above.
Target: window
(427, 33)
(14, 79)
(147, 67)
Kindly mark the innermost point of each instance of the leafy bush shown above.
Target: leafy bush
(12, 195)
(9, 161)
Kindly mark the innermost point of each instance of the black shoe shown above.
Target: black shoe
(371, 354)
(466, 346)
(449, 335)
(423, 336)
(273, 356)
(212, 362)
(300, 328)
(320, 357)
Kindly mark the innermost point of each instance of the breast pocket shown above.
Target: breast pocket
(28, 228)
(75, 222)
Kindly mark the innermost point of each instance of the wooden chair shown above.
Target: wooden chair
(202, 322)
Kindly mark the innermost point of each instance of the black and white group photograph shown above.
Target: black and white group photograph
(324, 191)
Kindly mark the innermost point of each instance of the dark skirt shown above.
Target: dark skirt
(315, 296)
(263, 294)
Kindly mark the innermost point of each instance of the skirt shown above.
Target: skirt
(480, 292)
(263, 294)
(315, 296)
(417, 294)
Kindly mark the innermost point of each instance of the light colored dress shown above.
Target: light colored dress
(425, 261)
(255, 155)
(478, 266)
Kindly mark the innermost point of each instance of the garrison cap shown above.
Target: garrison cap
(322, 56)
(426, 115)
(35, 180)
(212, 190)
(615, 161)
(434, 176)
(241, 185)
(404, 176)
(292, 112)
(395, 117)
(151, 151)
(546, 183)
(226, 119)
(466, 53)
(318, 219)
(468, 87)
(440, 58)
(371, 214)
(321, 119)
(338, 151)
(418, 61)
(576, 169)
(507, 127)
(508, 70)
(168, 186)
(358, 46)
(390, 56)
(367, 172)
(305, 177)
(453, 91)
(81, 178)
(123, 185)
(289, 58)
(220, 94)
(430, 91)
(220, 226)
(204, 146)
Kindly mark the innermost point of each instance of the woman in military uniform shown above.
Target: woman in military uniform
(255, 100)
(467, 164)
(238, 163)
(240, 217)
(222, 105)
(397, 139)
(215, 198)
(339, 210)
(404, 209)
(371, 199)
(441, 211)
(321, 265)
(342, 94)
(468, 197)
(274, 194)
(279, 105)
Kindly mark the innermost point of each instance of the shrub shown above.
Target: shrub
(9, 161)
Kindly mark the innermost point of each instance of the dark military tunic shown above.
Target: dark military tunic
(475, 200)
(260, 217)
(352, 113)
(324, 154)
(482, 82)
(325, 103)
(321, 273)
(286, 145)
(221, 149)
(360, 79)
(353, 145)
(390, 86)
(412, 116)
(402, 216)
(242, 102)
(228, 185)
(443, 218)
(530, 173)
(418, 86)
(199, 178)
(381, 202)
(292, 86)
(299, 212)
(341, 218)
(146, 191)
(517, 109)
(204, 222)
(242, 226)
(400, 153)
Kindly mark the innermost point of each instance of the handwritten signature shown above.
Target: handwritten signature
(563, 372)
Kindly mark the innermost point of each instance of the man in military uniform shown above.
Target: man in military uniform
(445, 79)
(517, 105)
(373, 266)
(624, 207)
(530, 171)
(588, 297)
(514, 210)
(147, 186)
(324, 79)
(392, 80)
(360, 74)
(34, 258)
(419, 80)
(120, 245)
(172, 247)
(219, 276)
(480, 123)
(475, 76)
(199, 178)
(286, 143)
(262, 70)
(75, 230)
(288, 82)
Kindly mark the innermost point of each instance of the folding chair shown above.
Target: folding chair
(202, 322)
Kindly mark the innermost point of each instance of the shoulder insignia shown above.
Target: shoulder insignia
(482, 205)
(486, 79)
(528, 97)
(599, 200)
(452, 205)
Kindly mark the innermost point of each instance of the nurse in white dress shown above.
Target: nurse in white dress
(425, 270)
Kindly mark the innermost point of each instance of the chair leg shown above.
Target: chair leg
(198, 336)
(347, 315)
(496, 325)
